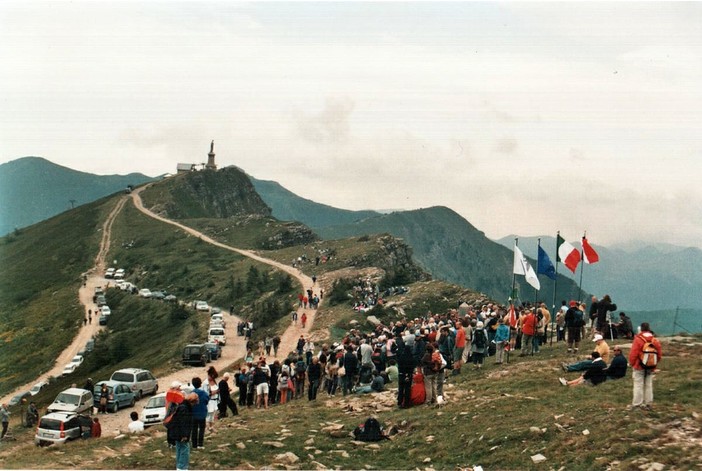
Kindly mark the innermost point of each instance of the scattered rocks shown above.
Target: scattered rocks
(240, 446)
(273, 444)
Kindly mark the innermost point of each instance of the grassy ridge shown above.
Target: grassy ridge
(40, 312)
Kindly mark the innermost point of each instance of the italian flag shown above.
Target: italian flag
(567, 254)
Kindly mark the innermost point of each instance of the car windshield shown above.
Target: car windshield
(50, 424)
(67, 399)
(122, 377)
(155, 402)
(76, 360)
(35, 388)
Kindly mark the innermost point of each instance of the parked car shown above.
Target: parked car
(36, 389)
(102, 320)
(155, 410)
(90, 344)
(77, 360)
(140, 381)
(119, 274)
(215, 310)
(120, 395)
(157, 295)
(219, 318)
(110, 273)
(59, 427)
(195, 354)
(126, 286)
(105, 310)
(74, 400)
(100, 300)
(170, 298)
(145, 293)
(216, 334)
(214, 350)
(68, 369)
(201, 306)
(17, 399)
(99, 290)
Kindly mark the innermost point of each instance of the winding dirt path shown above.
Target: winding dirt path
(235, 349)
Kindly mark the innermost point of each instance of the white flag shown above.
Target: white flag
(522, 267)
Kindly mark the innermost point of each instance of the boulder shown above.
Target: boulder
(286, 458)
(373, 320)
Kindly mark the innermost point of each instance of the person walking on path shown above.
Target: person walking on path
(225, 398)
(644, 346)
(5, 417)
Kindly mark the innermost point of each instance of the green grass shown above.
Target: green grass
(486, 421)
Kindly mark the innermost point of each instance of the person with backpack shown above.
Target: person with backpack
(479, 345)
(406, 364)
(180, 429)
(644, 358)
(431, 365)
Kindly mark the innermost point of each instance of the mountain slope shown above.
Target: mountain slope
(451, 249)
(33, 189)
(643, 279)
(287, 206)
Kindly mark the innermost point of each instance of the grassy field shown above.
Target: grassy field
(497, 418)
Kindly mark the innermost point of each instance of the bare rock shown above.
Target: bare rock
(373, 320)
(273, 444)
(539, 458)
(240, 446)
(286, 458)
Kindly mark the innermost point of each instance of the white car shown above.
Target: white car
(145, 293)
(155, 410)
(218, 319)
(216, 334)
(110, 273)
(119, 274)
(105, 310)
(77, 360)
(68, 369)
(38, 387)
(202, 306)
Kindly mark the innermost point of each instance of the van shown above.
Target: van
(195, 354)
(73, 400)
(140, 381)
(216, 334)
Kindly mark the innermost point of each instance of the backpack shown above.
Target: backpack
(172, 409)
(300, 367)
(648, 357)
(393, 347)
(370, 431)
(479, 341)
(578, 320)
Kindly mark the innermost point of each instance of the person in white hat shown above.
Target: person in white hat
(601, 347)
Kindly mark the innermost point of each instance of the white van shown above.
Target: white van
(74, 400)
(216, 334)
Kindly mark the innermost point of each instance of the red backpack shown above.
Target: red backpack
(648, 357)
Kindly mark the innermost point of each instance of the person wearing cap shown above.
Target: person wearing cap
(617, 369)
(593, 376)
(181, 429)
(601, 347)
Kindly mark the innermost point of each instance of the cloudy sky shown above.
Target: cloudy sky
(525, 118)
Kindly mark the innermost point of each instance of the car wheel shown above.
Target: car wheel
(115, 407)
(133, 402)
(139, 394)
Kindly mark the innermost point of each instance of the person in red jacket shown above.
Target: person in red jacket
(528, 332)
(643, 377)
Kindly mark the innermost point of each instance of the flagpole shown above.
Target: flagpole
(555, 285)
(536, 338)
(582, 264)
(511, 304)
(536, 291)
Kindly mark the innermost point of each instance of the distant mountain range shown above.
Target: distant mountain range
(33, 189)
(638, 277)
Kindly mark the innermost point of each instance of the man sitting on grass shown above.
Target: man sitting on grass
(594, 375)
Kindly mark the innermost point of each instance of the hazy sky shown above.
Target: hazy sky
(525, 118)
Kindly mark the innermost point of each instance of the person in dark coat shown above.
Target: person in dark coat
(225, 397)
(350, 364)
(602, 308)
(180, 430)
(406, 364)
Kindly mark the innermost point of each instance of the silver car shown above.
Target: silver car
(59, 427)
(141, 382)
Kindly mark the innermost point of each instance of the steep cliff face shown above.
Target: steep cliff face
(225, 193)
(394, 256)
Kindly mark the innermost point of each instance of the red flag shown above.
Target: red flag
(589, 253)
(512, 316)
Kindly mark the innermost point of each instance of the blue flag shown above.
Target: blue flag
(545, 265)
